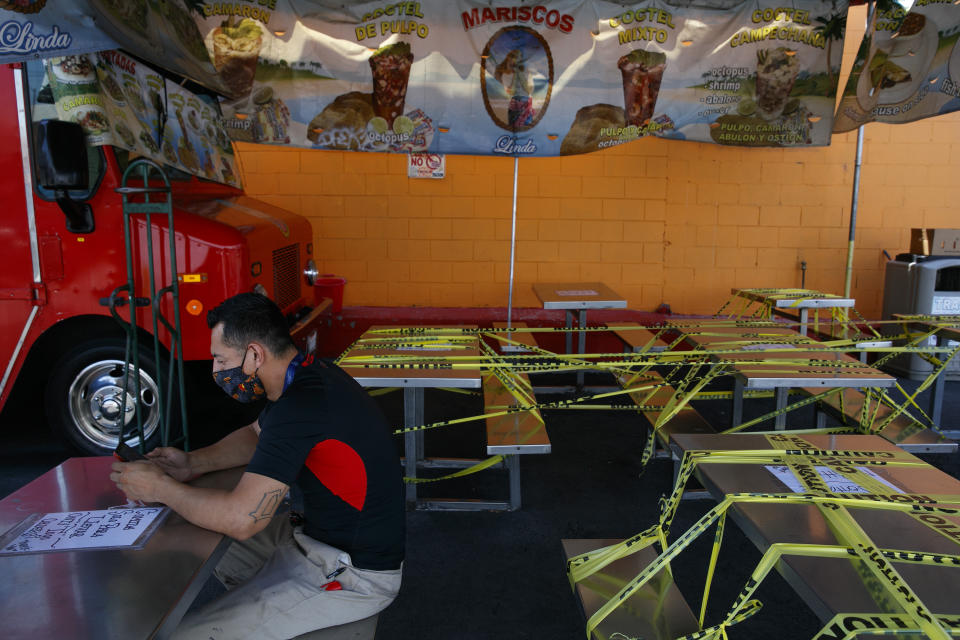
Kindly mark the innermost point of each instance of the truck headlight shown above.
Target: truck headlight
(310, 272)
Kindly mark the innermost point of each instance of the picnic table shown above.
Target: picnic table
(577, 297)
(414, 368)
(783, 302)
(806, 363)
(110, 593)
(829, 585)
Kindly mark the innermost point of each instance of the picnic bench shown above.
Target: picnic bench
(639, 339)
(520, 432)
(687, 420)
(657, 610)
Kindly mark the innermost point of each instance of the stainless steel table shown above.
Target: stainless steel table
(414, 381)
(105, 593)
(579, 297)
(803, 300)
(831, 586)
(755, 343)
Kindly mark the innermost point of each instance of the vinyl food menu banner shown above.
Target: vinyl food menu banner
(121, 102)
(907, 68)
(544, 80)
(499, 77)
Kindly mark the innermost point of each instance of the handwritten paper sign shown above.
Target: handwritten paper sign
(74, 530)
(836, 482)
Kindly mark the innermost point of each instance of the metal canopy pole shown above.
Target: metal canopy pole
(513, 241)
(854, 202)
(855, 197)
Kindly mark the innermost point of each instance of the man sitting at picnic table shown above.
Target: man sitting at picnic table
(318, 430)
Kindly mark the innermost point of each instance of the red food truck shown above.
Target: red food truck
(57, 335)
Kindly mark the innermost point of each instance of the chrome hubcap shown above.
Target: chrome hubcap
(96, 403)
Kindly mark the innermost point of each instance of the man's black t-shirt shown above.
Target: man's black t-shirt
(329, 437)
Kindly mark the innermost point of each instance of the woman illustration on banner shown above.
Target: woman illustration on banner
(518, 85)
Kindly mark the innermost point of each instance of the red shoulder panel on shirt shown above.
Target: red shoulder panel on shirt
(341, 470)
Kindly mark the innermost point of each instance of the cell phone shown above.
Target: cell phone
(126, 453)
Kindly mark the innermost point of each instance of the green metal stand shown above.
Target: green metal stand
(152, 197)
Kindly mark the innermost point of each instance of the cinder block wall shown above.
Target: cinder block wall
(657, 220)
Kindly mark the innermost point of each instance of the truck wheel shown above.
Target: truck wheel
(83, 398)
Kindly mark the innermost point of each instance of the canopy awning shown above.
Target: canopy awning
(514, 78)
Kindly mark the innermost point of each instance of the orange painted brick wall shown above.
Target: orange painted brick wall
(657, 220)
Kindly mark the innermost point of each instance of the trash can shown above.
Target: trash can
(330, 286)
(925, 285)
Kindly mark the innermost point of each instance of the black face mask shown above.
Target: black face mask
(240, 387)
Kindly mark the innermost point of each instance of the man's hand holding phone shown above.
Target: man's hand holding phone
(126, 453)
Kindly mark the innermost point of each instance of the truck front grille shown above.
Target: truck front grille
(286, 275)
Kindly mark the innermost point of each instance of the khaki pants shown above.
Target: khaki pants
(276, 580)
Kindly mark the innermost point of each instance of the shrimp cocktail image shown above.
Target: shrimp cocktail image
(236, 48)
(776, 72)
(390, 66)
(642, 73)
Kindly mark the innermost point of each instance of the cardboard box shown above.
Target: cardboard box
(935, 242)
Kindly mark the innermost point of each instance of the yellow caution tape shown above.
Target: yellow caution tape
(690, 371)
(584, 565)
(847, 626)
(914, 505)
(579, 567)
(480, 466)
(841, 521)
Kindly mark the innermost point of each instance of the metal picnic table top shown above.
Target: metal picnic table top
(578, 295)
(794, 298)
(432, 343)
(105, 593)
(831, 586)
(808, 363)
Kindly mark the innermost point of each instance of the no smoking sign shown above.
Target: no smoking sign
(426, 165)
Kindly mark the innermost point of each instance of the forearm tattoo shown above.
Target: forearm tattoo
(268, 504)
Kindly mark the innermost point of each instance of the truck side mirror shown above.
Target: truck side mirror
(60, 154)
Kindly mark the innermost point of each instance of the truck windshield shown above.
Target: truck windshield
(42, 107)
(124, 158)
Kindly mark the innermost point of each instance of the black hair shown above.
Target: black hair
(251, 317)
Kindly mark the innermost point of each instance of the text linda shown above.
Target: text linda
(17, 37)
